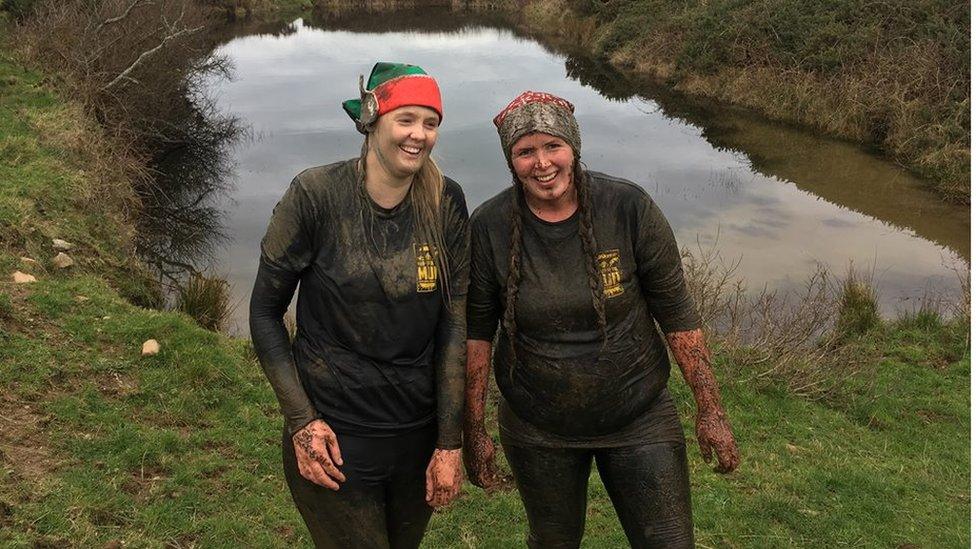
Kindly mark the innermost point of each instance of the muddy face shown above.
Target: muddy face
(544, 165)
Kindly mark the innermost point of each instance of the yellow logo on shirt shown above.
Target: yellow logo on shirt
(609, 263)
(426, 267)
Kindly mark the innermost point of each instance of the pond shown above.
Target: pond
(777, 200)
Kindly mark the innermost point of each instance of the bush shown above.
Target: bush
(207, 300)
(857, 308)
(18, 9)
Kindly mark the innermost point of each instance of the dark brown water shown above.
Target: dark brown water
(777, 199)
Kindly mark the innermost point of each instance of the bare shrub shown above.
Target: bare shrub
(134, 65)
(126, 61)
(138, 68)
(787, 337)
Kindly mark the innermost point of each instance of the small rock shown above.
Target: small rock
(150, 347)
(63, 261)
(792, 449)
(80, 298)
(22, 278)
(28, 261)
(62, 245)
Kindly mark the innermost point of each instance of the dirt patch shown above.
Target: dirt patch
(114, 384)
(23, 444)
(143, 481)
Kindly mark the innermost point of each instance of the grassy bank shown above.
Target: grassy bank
(104, 447)
(894, 75)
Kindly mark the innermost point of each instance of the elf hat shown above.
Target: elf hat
(391, 86)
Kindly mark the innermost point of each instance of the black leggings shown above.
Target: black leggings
(648, 485)
(381, 505)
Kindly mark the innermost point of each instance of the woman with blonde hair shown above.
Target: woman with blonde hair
(371, 388)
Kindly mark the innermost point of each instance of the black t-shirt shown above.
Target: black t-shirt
(369, 300)
(568, 388)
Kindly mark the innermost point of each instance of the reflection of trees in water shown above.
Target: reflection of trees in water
(181, 225)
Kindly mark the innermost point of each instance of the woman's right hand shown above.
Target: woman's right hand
(479, 460)
(317, 452)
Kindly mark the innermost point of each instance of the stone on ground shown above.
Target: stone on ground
(150, 347)
(62, 245)
(63, 261)
(22, 278)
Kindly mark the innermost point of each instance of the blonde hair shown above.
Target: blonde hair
(425, 193)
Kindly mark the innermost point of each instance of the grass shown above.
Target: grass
(102, 445)
(61, 180)
(182, 447)
(206, 299)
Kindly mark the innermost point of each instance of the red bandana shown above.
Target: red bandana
(527, 97)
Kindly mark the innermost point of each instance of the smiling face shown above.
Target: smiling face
(403, 139)
(544, 165)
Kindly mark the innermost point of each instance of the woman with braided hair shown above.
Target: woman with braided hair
(371, 388)
(577, 267)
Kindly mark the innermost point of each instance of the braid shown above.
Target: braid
(581, 180)
(514, 273)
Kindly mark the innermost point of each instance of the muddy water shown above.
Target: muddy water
(778, 200)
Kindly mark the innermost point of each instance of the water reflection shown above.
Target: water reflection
(181, 225)
(779, 199)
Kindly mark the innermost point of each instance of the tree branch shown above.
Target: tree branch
(147, 54)
(125, 14)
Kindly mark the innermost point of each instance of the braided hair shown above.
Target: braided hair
(581, 182)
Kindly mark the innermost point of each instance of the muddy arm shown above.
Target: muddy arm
(476, 384)
(449, 370)
(272, 293)
(479, 449)
(711, 425)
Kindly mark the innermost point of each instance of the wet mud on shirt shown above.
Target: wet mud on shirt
(567, 388)
(371, 313)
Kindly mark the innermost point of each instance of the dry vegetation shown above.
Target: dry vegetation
(129, 63)
(807, 339)
(893, 74)
(133, 71)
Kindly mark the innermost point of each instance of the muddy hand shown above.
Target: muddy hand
(317, 452)
(443, 477)
(715, 434)
(479, 461)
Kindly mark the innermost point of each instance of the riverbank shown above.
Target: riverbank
(892, 76)
(102, 446)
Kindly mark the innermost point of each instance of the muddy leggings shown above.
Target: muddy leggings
(648, 485)
(381, 505)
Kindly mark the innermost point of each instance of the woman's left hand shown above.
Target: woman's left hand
(443, 477)
(714, 433)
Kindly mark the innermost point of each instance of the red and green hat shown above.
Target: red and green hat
(391, 86)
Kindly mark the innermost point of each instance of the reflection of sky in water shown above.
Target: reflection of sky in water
(289, 89)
